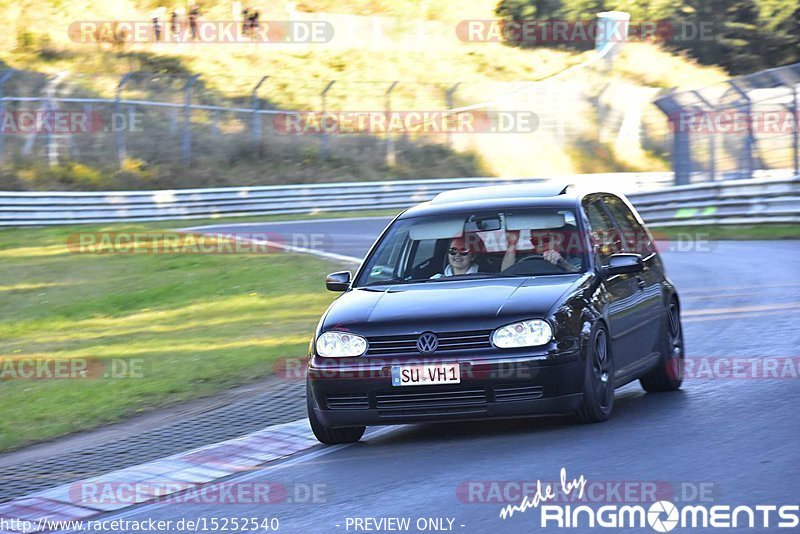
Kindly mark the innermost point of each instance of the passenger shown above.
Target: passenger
(460, 259)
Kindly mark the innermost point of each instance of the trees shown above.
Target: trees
(740, 35)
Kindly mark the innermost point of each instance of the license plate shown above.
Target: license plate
(426, 374)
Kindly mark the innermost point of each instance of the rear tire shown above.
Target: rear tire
(598, 384)
(668, 376)
(329, 435)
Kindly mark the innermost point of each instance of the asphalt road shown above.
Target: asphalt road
(730, 441)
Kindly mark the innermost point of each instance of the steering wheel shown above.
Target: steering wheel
(532, 257)
(539, 258)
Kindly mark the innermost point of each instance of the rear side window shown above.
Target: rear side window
(604, 236)
(634, 235)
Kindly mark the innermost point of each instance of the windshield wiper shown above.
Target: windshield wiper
(391, 281)
(470, 276)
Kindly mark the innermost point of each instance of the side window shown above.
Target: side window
(604, 236)
(634, 235)
(424, 252)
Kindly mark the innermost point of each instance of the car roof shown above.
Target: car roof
(539, 194)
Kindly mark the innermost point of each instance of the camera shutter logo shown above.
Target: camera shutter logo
(662, 516)
(427, 343)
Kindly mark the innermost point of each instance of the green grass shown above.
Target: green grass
(199, 324)
(734, 232)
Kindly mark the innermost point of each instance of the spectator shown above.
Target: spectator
(254, 25)
(246, 21)
(173, 23)
(156, 27)
(194, 13)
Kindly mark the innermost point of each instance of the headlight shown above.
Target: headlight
(340, 345)
(523, 334)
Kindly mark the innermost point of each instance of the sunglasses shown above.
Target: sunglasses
(456, 252)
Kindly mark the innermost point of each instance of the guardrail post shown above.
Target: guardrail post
(324, 141)
(256, 118)
(3, 79)
(186, 138)
(391, 157)
(121, 148)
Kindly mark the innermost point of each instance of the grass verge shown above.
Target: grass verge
(741, 232)
(195, 324)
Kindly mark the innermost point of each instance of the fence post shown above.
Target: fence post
(750, 140)
(795, 133)
(712, 140)
(3, 79)
(448, 95)
(121, 149)
(790, 81)
(186, 138)
(256, 118)
(682, 157)
(50, 107)
(391, 157)
(215, 122)
(324, 140)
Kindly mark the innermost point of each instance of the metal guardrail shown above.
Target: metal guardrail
(756, 201)
(739, 201)
(53, 208)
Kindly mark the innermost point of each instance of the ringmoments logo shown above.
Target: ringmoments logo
(660, 516)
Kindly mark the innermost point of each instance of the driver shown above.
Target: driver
(460, 259)
(549, 254)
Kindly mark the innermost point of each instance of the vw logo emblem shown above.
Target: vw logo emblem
(427, 342)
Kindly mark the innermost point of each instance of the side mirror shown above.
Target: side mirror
(623, 264)
(339, 281)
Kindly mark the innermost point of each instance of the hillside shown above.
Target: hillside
(416, 45)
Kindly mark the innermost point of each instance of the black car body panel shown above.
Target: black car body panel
(463, 313)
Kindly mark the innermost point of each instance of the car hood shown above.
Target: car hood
(442, 306)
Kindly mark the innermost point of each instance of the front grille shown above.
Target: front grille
(431, 403)
(348, 402)
(517, 393)
(448, 341)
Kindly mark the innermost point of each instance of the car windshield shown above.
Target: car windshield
(530, 242)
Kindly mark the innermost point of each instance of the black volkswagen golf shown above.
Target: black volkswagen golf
(491, 302)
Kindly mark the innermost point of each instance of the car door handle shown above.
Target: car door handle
(640, 282)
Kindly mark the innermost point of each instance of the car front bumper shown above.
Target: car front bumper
(490, 388)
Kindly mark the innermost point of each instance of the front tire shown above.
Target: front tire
(598, 384)
(326, 434)
(668, 376)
